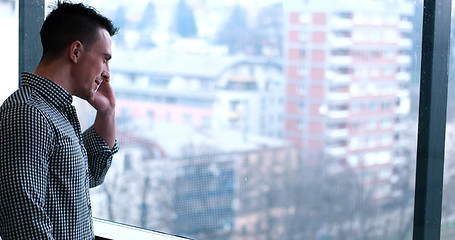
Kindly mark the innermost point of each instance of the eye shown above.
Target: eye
(106, 59)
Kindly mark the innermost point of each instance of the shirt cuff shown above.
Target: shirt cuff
(93, 141)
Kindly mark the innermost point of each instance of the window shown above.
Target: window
(198, 148)
(9, 57)
(303, 36)
(449, 177)
(304, 18)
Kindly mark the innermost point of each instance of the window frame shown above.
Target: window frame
(432, 104)
(105, 229)
(432, 119)
(31, 17)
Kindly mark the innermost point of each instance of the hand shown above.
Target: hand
(103, 100)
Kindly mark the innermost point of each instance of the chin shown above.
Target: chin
(88, 95)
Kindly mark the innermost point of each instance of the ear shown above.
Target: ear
(75, 50)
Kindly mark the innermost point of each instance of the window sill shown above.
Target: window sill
(106, 230)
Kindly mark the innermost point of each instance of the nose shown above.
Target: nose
(105, 75)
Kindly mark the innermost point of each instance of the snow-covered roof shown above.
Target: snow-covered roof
(173, 138)
(159, 62)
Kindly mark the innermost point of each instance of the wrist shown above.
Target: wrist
(106, 112)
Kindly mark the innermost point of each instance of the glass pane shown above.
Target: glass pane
(448, 198)
(264, 119)
(9, 57)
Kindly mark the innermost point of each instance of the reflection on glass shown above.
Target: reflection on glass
(9, 57)
(448, 200)
(264, 119)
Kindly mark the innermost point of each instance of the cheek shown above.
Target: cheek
(101, 67)
(96, 70)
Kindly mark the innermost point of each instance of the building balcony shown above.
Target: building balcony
(336, 41)
(402, 110)
(403, 93)
(403, 76)
(340, 60)
(337, 114)
(337, 77)
(337, 133)
(234, 115)
(402, 143)
(338, 96)
(404, 42)
(398, 127)
(399, 160)
(404, 59)
(338, 23)
(405, 25)
(336, 151)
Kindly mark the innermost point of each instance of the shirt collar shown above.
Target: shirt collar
(53, 92)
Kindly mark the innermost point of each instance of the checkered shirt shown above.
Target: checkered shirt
(47, 165)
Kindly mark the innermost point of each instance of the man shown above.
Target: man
(47, 165)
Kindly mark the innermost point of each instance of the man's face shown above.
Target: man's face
(93, 66)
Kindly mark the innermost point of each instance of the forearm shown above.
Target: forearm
(105, 126)
(99, 155)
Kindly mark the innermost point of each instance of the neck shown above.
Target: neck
(54, 72)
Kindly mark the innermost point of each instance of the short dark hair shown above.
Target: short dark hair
(69, 22)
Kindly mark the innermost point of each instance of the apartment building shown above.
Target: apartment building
(223, 92)
(348, 70)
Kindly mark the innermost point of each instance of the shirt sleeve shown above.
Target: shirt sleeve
(99, 156)
(26, 143)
